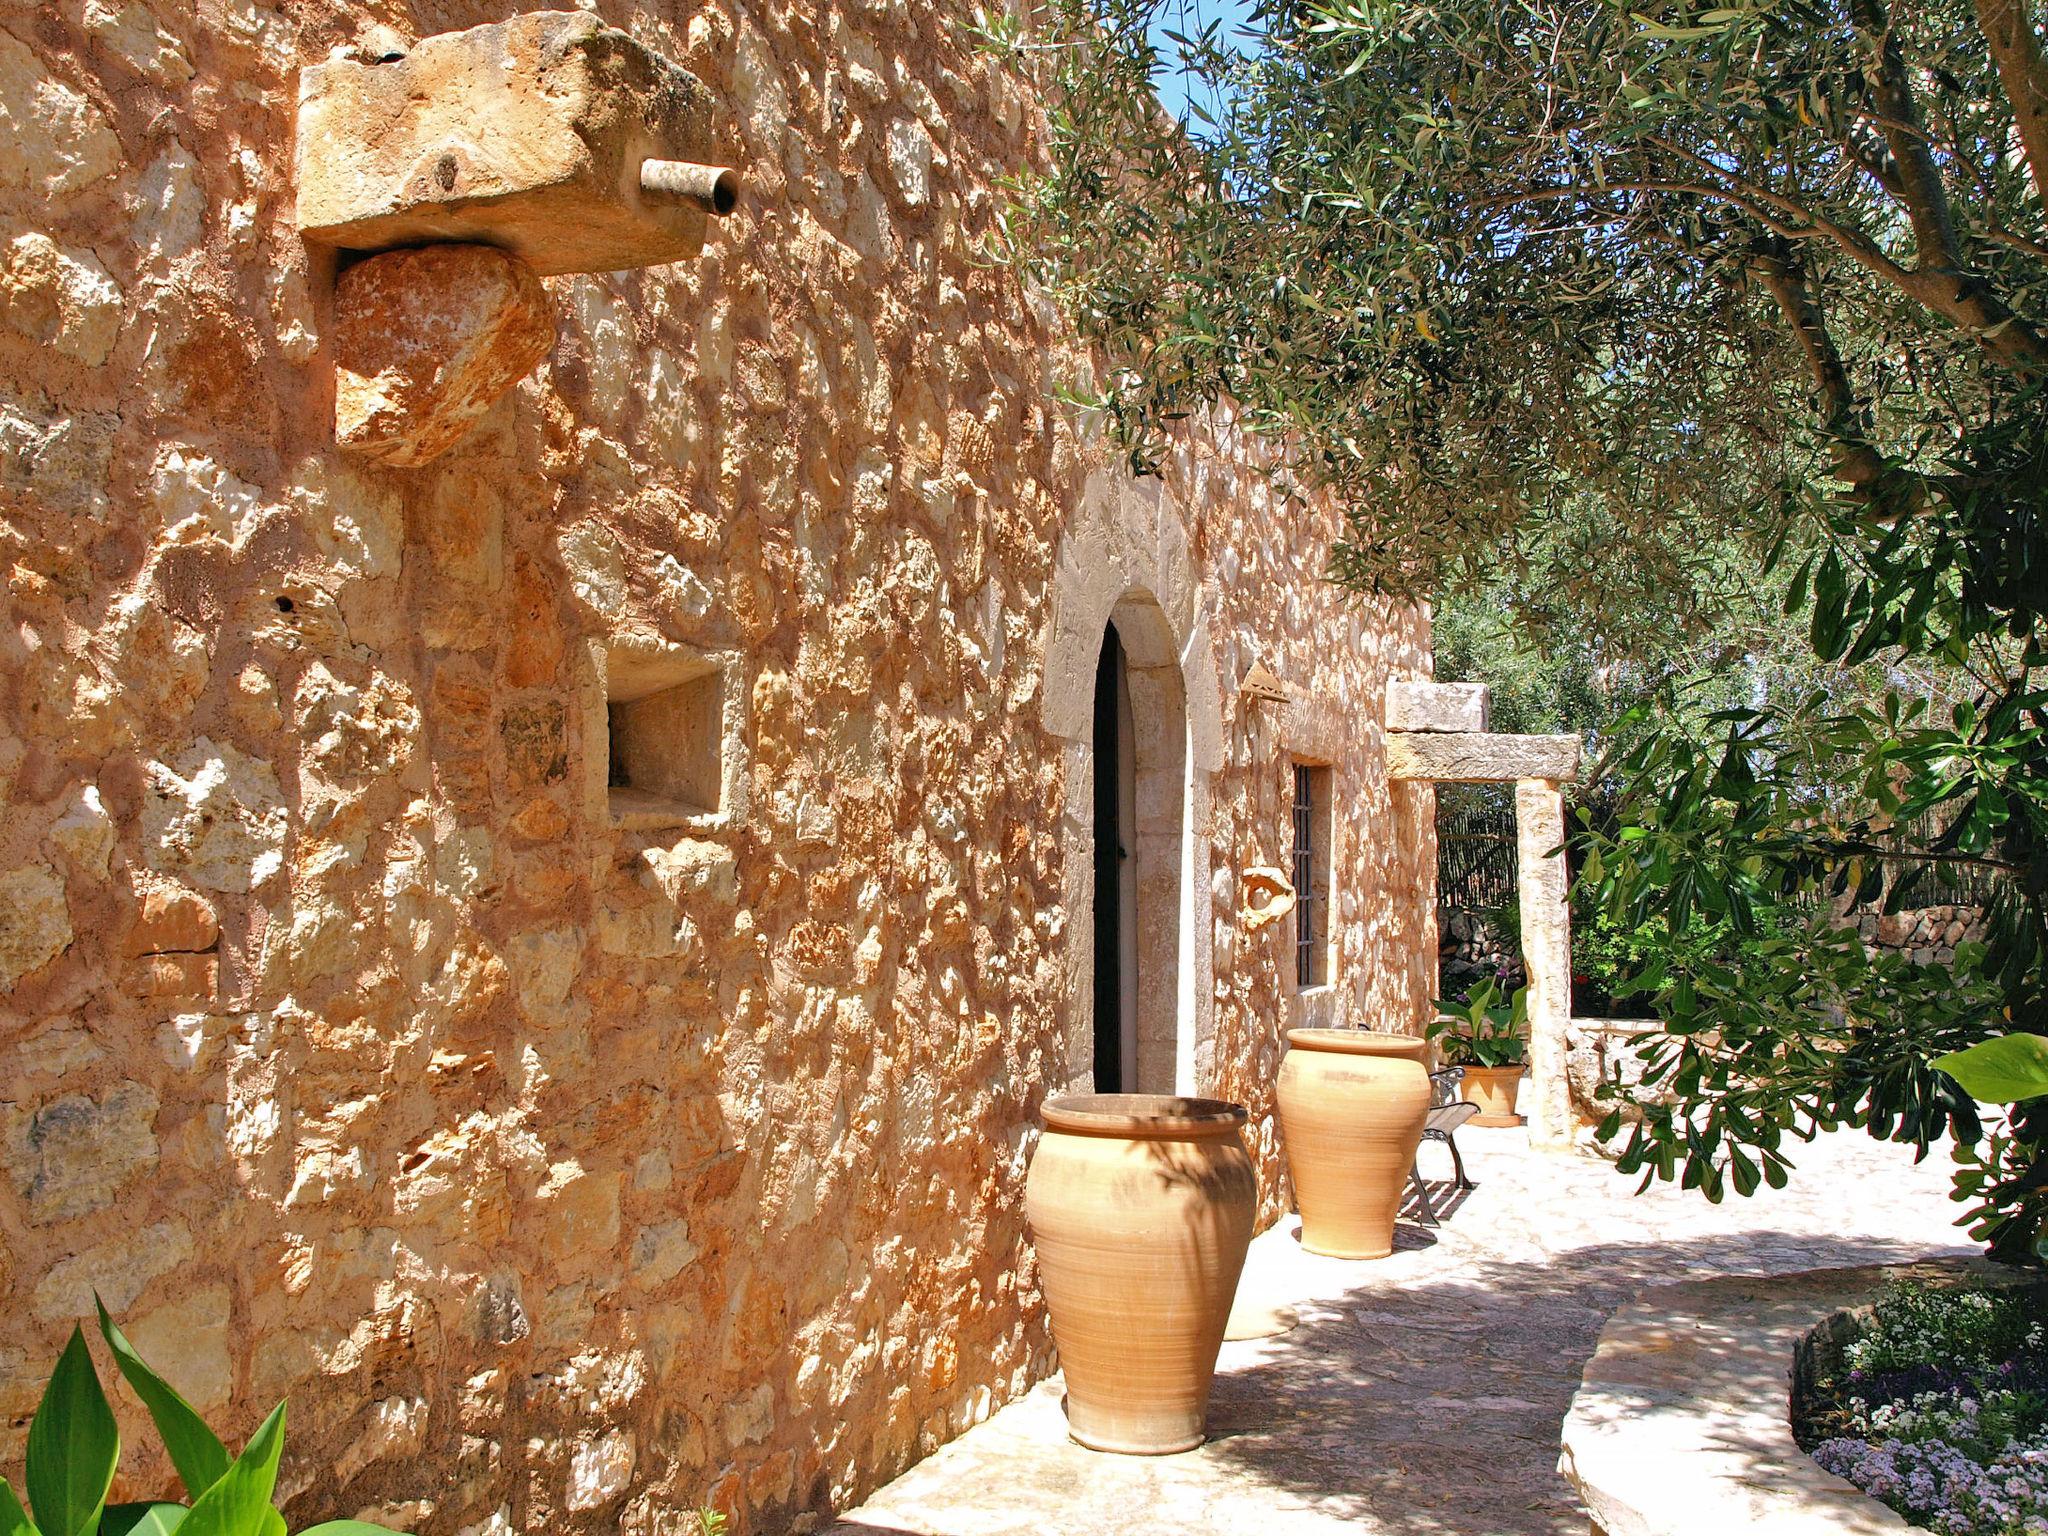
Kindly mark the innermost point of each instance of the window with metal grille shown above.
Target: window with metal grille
(1312, 828)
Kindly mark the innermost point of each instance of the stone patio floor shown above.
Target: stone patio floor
(1423, 1393)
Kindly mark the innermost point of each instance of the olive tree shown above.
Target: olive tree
(1655, 309)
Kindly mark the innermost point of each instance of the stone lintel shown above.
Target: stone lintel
(1413, 706)
(528, 134)
(1475, 757)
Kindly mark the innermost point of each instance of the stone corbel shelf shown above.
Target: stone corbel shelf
(1682, 1422)
(465, 169)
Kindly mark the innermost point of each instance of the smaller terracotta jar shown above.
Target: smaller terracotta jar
(1141, 1207)
(1494, 1090)
(1352, 1103)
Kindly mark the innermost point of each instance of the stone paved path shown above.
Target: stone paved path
(1422, 1393)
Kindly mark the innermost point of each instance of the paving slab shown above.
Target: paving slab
(1423, 1394)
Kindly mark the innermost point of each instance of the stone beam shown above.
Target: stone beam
(1437, 706)
(1474, 757)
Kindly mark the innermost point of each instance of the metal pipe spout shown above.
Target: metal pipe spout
(714, 188)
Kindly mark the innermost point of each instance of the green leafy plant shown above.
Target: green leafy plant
(710, 1522)
(74, 1446)
(1484, 1030)
(2005, 1070)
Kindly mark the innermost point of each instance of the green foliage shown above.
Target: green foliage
(74, 1447)
(195, 1450)
(2006, 1070)
(1607, 958)
(1482, 1029)
(710, 1522)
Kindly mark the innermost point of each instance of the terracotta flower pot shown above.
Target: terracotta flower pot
(1352, 1103)
(1141, 1208)
(1493, 1089)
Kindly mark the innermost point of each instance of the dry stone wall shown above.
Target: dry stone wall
(571, 1152)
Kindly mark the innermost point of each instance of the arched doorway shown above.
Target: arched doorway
(1141, 847)
(1116, 873)
(1123, 565)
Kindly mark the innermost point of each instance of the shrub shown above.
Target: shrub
(1941, 1410)
(1915, 1324)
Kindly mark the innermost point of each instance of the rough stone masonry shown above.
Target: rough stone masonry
(549, 959)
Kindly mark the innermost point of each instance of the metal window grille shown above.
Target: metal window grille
(1304, 876)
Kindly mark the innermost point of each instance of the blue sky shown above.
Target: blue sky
(1187, 16)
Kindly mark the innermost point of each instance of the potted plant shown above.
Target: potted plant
(1486, 1035)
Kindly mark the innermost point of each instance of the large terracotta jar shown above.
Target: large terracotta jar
(1494, 1090)
(1352, 1103)
(1141, 1208)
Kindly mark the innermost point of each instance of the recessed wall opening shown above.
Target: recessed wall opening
(1142, 986)
(1116, 874)
(664, 719)
(1314, 827)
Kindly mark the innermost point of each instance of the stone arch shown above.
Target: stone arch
(1123, 558)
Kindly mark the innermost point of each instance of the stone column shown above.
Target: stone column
(1547, 952)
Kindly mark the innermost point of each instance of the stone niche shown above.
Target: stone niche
(671, 736)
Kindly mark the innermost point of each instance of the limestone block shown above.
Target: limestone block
(216, 817)
(84, 831)
(35, 921)
(187, 1341)
(1415, 706)
(170, 919)
(59, 457)
(1480, 758)
(1542, 882)
(660, 1253)
(426, 341)
(600, 1471)
(131, 34)
(71, 1156)
(62, 298)
(910, 160)
(53, 140)
(396, 1428)
(174, 976)
(528, 134)
(695, 868)
(118, 1270)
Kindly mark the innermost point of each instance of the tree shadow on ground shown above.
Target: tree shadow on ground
(1435, 1407)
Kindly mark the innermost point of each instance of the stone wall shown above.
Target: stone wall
(1924, 935)
(1473, 947)
(568, 1159)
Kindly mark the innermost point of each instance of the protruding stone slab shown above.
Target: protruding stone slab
(528, 134)
(1413, 706)
(426, 341)
(1448, 757)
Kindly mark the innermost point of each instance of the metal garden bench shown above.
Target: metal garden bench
(1446, 1113)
